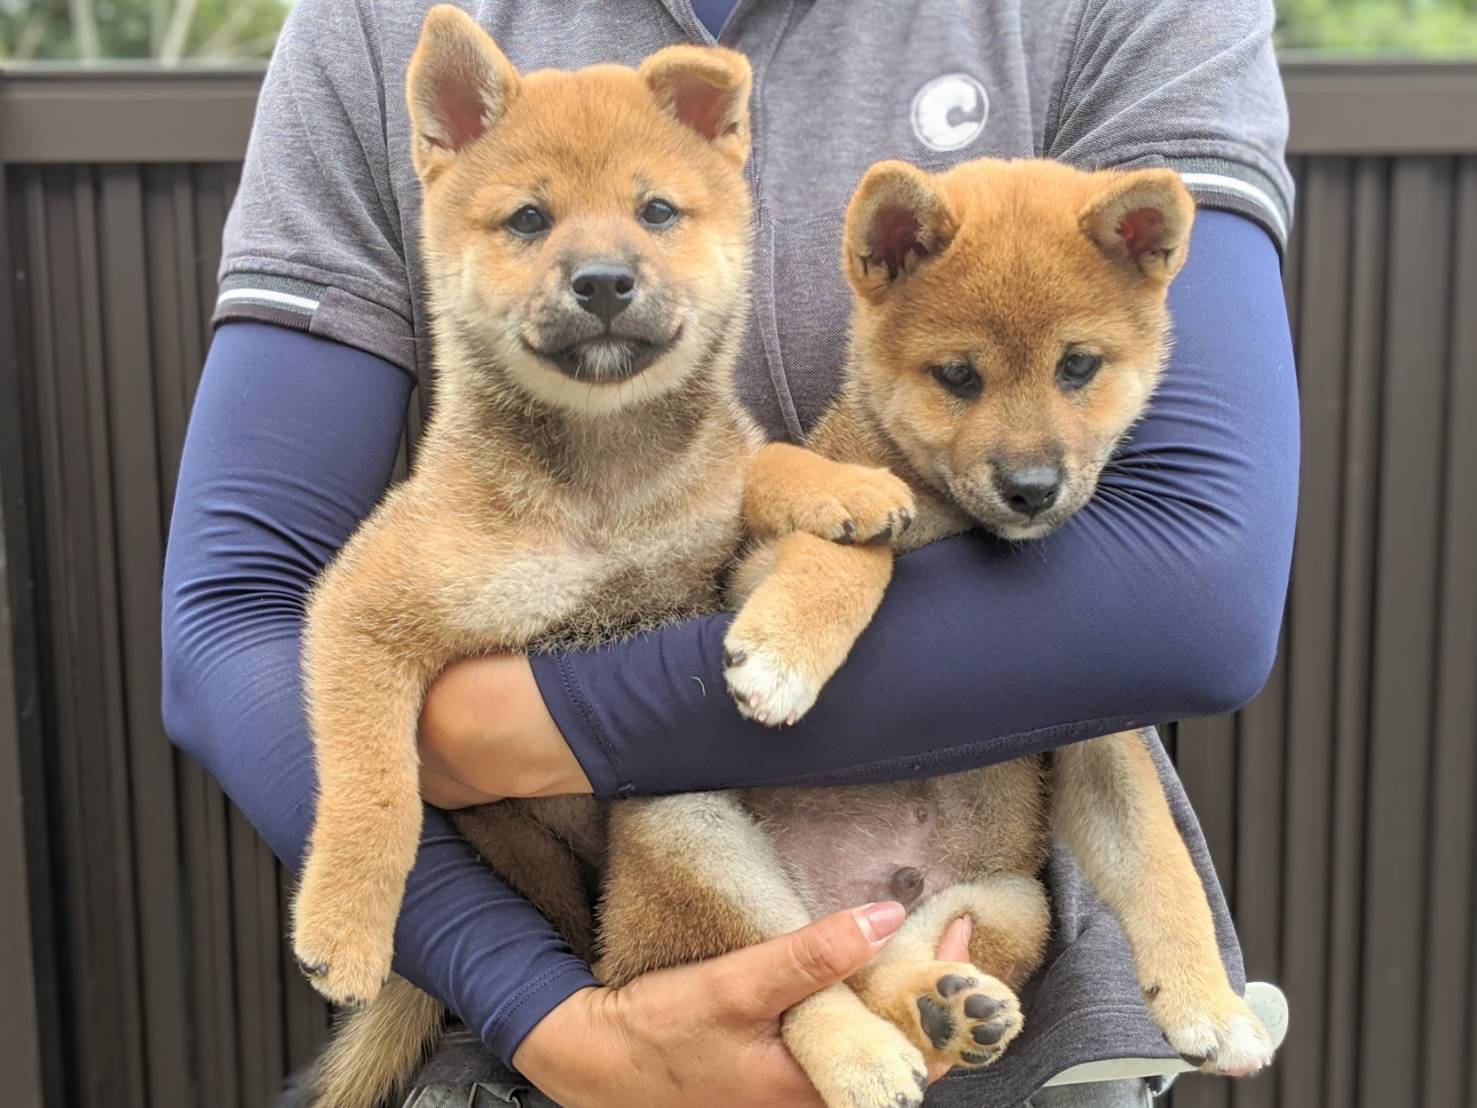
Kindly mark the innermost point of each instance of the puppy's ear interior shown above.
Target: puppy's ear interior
(1142, 219)
(707, 88)
(459, 86)
(897, 220)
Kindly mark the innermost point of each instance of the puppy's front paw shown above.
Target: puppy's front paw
(341, 952)
(767, 687)
(1223, 1037)
(862, 504)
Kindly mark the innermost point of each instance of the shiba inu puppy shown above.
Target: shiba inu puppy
(1010, 327)
(587, 255)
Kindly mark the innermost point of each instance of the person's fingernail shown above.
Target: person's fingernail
(880, 920)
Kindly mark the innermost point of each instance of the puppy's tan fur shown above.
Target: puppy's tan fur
(542, 509)
(574, 484)
(1006, 268)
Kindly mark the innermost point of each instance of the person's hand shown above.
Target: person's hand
(485, 735)
(707, 1033)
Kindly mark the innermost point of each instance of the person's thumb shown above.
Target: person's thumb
(764, 980)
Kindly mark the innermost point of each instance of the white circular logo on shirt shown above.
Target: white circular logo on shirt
(950, 111)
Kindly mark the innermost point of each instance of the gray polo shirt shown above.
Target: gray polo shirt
(324, 231)
(323, 237)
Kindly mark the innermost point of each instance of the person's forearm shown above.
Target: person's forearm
(1162, 599)
(291, 443)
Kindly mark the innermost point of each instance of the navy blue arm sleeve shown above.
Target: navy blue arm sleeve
(1160, 600)
(291, 443)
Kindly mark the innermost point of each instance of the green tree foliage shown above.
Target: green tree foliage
(166, 31)
(1433, 28)
(173, 30)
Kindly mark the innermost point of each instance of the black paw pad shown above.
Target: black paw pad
(936, 1020)
(981, 1007)
(988, 1034)
(951, 983)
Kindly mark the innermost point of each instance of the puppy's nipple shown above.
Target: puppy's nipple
(905, 884)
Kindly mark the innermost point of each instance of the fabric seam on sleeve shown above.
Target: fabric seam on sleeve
(515, 1003)
(592, 721)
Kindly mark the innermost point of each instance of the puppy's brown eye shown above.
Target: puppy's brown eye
(960, 378)
(1077, 368)
(657, 213)
(528, 221)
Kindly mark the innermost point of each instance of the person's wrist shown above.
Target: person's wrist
(545, 1056)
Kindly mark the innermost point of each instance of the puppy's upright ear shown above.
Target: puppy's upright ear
(459, 86)
(1142, 219)
(897, 220)
(707, 88)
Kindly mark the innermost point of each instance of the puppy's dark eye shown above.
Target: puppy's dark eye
(528, 221)
(657, 213)
(960, 378)
(1077, 368)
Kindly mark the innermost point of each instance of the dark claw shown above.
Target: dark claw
(922, 1079)
(988, 1034)
(848, 533)
(973, 1058)
(733, 658)
(318, 970)
(951, 983)
(981, 1007)
(882, 537)
(906, 518)
(1196, 1062)
(741, 697)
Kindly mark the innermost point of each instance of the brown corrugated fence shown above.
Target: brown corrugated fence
(141, 960)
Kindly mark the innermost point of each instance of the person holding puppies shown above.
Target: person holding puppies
(1162, 600)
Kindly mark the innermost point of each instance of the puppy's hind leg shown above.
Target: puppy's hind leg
(962, 1013)
(1108, 806)
(692, 877)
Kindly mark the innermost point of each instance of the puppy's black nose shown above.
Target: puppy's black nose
(604, 288)
(1030, 491)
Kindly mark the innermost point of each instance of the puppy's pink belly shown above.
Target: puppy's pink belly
(852, 846)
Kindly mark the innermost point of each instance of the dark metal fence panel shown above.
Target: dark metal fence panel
(1338, 805)
(170, 965)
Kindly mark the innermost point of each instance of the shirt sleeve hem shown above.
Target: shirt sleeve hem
(580, 724)
(1225, 183)
(326, 305)
(521, 1013)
